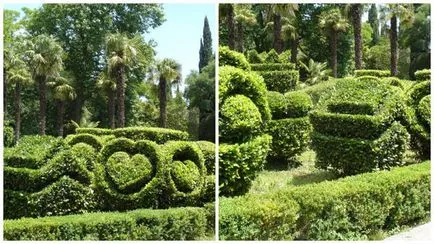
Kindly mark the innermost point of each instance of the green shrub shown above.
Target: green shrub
(281, 81)
(290, 138)
(144, 224)
(94, 131)
(285, 56)
(239, 119)
(351, 208)
(240, 163)
(278, 104)
(253, 57)
(89, 139)
(298, 104)
(368, 78)
(317, 90)
(424, 111)
(32, 151)
(372, 72)
(273, 67)
(345, 107)
(272, 57)
(393, 81)
(352, 156)
(418, 91)
(423, 75)
(233, 81)
(229, 57)
(8, 136)
(254, 218)
(208, 149)
(208, 191)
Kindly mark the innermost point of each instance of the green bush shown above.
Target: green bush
(208, 149)
(352, 208)
(272, 57)
(424, 111)
(290, 138)
(255, 218)
(143, 224)
(240, 163)
(368, 78)
(278, 104)
(208, 191)
(350, 107)
(350, 156)
(32, 151)
(423, 75)
(233, 81)
(229, 57)
(89, 139)
(372, 72)
(94, 131)
(240, 119)
(253, 57)
(393, 81)
(8, 136)
(273, 67)
(418, 91)
(281, 81)
(298, 104)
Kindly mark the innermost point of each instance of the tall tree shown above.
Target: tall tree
(226, 11)
(275, 13)
(108, 86)
(373, 21)
(356, 19)
(243, 16)
(167, 72)
(45, 57)
(62, 92)
(205, 51)
(332, 22)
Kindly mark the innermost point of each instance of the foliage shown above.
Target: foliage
(8, 136)
(232, 58)
(272, 57)
(281, 81)
(143, 224)
(205, 51)
(253, 57)
(315, 72)
(239, 164)
(272, 66)
(375, 73)
(208, 149)
(423, 75)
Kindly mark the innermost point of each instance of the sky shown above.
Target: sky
(179, 36)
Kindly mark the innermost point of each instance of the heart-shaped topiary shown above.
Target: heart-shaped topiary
(127, 172)
(186, 175)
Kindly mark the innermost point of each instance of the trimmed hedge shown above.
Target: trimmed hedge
(253, 57)
(229, 57)
(143, 224)
(273, 67)
(393, 81)
(89, 139)
(240, 163)
(32, 151)
(240, 119)
(208, 149)
(298, 104)
(424, 111)
(272, 57)
(353, 156)
(372, 72)
(368, 78)
(290, 138)
(423, 75)
(233, 81)
(278, 104)
(352, 208)
(8, 136)
(281, 81)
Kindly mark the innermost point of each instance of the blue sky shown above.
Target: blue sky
(179, 36)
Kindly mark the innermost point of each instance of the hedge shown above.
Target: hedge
(350, 156)
(208, 149)
(143, 224)
(423, 75)
(229, 57)
(272, 57)
(281, 81)
(233, 81)
(253, 57)
(393, 81)
(158, 135)
(273, 67)
(368, 78)
(89, 139)
(424, 111)
(240, 163)
(290, 138)
(278, 104)
(298, 104)
(8, 136)
(352, 208)
(372, 72)
(240, 119)
(32, 151)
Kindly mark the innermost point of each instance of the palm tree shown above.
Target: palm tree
(355, 11)
(18, 75)
(315, 72)
(167, 72)
(45, 60)
(332, 22)
(122, 53)
(243, 16)
(403, 12)
(108, 85)
(275, 13)
(63, 91)
(226, 11)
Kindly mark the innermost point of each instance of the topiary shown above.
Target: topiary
(272, 57)
(278, 104)
(423, 75)
(239, 119)
(8, 136)
(229, 57)
(298, 104)
(208, 149)
(253, 57)
(372, 72)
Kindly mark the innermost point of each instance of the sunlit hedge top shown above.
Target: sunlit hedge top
(372, 72)
(232, 58)
(422, 75)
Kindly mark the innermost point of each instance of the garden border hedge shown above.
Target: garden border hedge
(372, 72)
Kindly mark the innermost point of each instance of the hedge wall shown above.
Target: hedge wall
(423, 75)
(273, 67)
(229, 57)
(351, 208)
(8, 136)
(372, 72)
(281, 81)
(144, 224)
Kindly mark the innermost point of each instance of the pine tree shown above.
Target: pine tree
(373, 22)
(205, 51)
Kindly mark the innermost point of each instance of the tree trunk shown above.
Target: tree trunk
(334, 44)
(357, 24)
(5, 104)
(111, 108)
(294, 50)
(393, 46)
(17, 104)
(60, 113)
(240, 39)
(78, 105)
(162, 86)
(277, 28)
(42, 103)
(120, 86)
(231, 27)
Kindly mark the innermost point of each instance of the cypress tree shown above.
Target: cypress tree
(373, 22)
(205, 51)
